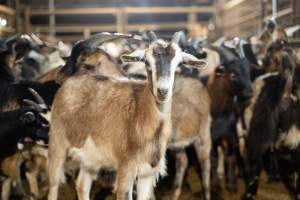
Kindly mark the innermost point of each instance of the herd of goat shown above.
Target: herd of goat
(111, 107)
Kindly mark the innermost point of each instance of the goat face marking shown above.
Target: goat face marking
(163, 58)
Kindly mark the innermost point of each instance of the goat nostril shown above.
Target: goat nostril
(162, 93)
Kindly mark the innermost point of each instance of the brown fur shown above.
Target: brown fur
(50, 75)
(69, 106)
(191, 125)
(117, 111)
(266, 38)
(95, 62)
(191, 108)
(218, 88)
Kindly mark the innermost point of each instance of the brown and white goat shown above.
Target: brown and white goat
(85, 58)
(104, 122)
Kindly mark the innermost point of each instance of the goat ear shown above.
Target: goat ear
(135, 56)
(220, 70)
(28, 117)
(193, 61)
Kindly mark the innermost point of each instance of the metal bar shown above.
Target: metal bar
(274, 9)
(74, 28)
(110, 28)
(18, 17)
(128, 10)
(281, 13)
(52, 17)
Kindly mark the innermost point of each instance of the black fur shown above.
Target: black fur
(18, 124)
(268, 121)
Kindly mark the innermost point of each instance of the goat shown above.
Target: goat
(229, 79)
(85, 58)
(268, 111)
(86, 55)
(191, 122)
(190, 125)
(143, 123)
(15, 126)
(229, 82)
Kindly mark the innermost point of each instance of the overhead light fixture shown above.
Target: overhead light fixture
(3, 22)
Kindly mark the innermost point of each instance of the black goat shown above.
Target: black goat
(274, 114)
(15, 127)
(229, 85)
(12, 92)
(19, 124)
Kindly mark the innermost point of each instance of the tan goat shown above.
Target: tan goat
(86, 58)
(191, 122)
(104, 122)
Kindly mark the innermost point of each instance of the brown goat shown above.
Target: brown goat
(89, 60)
(191, 122)
(94, 62)
(105, 122)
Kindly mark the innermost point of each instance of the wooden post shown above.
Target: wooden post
(27, 20)
(274, 9)
(296, 14)
(52, 18)
(86, 33)
(192, 23)
(121, 20)
(264, 13)
(18, 17)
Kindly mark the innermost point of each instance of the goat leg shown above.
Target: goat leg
(215, 181)
(84, 184)
(32, 180)
(231, 182)
(203, 147)
(297, 159)
(252, 179)
(181, 165)
(221, 166)
(55, 170)
(6, 188)
(145, 187)
(125, 181)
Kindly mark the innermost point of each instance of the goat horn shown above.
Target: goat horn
(36, 39)
(34, 105)
(152, 36)
(178, 36)
(38, 98)
(4, 42)
(11, 38)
